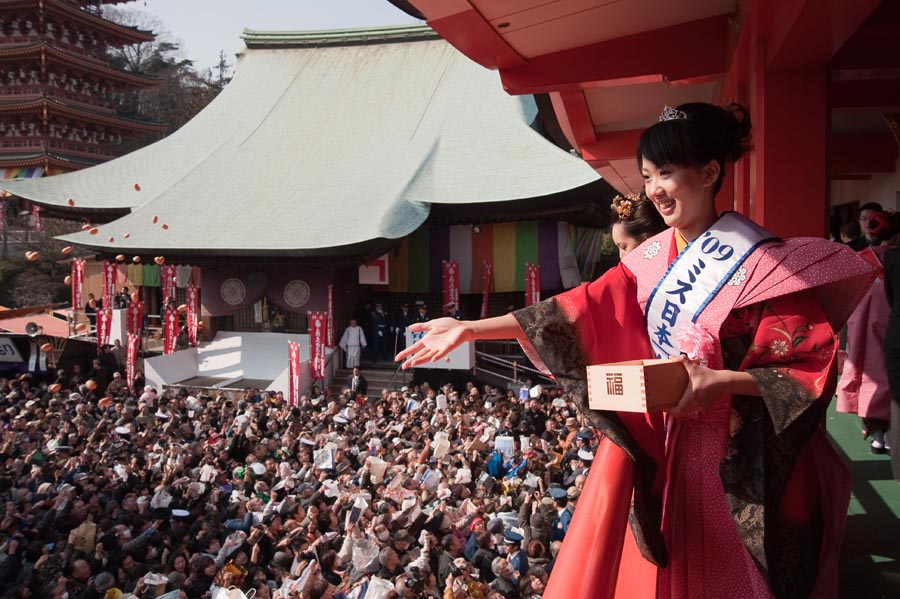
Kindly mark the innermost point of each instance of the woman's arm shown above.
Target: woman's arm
(706, 385)
(443, 335)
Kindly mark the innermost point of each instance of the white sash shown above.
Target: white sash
(696, 276)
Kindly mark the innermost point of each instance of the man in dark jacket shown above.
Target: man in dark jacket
(357, 383)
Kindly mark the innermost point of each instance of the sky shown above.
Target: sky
(204, 27)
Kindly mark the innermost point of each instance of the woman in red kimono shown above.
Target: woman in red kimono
(736, 492)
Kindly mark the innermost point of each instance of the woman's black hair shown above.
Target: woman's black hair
(638, 216)
(697, 134)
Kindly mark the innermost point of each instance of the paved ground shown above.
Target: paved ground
(870, 560)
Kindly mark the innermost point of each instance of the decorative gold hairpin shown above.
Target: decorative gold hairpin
(624, 207)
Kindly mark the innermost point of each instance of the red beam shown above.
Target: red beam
(808, 33)
(863, 153)
(472, 35)
(614, 145)
(578, 116)
(851, 177)
(872, 48)
(688, 51)
(882, 95)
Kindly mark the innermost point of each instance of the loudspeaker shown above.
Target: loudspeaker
(32, 329)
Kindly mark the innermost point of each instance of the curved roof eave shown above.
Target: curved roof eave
(323, 147)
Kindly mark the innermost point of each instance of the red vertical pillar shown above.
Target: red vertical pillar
(789, 187)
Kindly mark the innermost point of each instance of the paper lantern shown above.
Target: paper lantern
(120, 258)
(68, 280)
(93, 231)
(165, 227)
(135, 296)
(71, 202)
(91, 384)
(54, 388)
(137, 187)
(67, 250)
(47, 348)
(126, 235)
(155, 219)
(160, 260)
(136, 259)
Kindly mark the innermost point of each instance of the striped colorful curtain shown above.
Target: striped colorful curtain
(416, 266)
(21, 173)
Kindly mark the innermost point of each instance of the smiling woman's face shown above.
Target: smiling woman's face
(681, 194)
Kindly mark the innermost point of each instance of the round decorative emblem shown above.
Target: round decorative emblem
(739, 276)
(652, 250)
(233, 291)
(296, 293)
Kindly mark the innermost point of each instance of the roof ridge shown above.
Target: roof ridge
(344, 36)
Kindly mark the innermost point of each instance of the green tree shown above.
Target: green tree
(182, 92)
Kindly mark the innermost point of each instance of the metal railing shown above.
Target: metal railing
(511, 371)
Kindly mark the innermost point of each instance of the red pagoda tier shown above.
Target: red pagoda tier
(58, 92)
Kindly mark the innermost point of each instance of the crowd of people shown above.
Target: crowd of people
(419, 492)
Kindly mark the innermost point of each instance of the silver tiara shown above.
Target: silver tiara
(671, 114)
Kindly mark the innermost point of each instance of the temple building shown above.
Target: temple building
(58, 92)
(362, 160)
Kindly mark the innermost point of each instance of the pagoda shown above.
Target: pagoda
(58, 92)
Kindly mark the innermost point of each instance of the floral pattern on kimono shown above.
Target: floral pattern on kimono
(790, 350)
(788, 347)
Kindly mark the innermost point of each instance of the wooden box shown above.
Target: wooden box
(636, 386)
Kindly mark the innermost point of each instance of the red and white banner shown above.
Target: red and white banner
(193, 314)
(532, 284)
(109, 283)
(451, 282)
(167, 280)
(374, 272)
(77, 284)
(135, 314)
(104, 326)
(487, 281)
(170, 330)
(294, 373)
(329, 337)
(37, 223)
(317, 333)
(131, 354)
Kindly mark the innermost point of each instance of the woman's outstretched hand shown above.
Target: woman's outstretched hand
(442, 336)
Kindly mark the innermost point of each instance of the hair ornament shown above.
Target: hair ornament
(624, 207)
(671, 114)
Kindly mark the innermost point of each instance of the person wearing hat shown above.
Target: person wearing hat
(559, 525)
(422, 316)
(452, 310)
(402, 319)
(514, 554)
(475, 526)
(379, 333)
